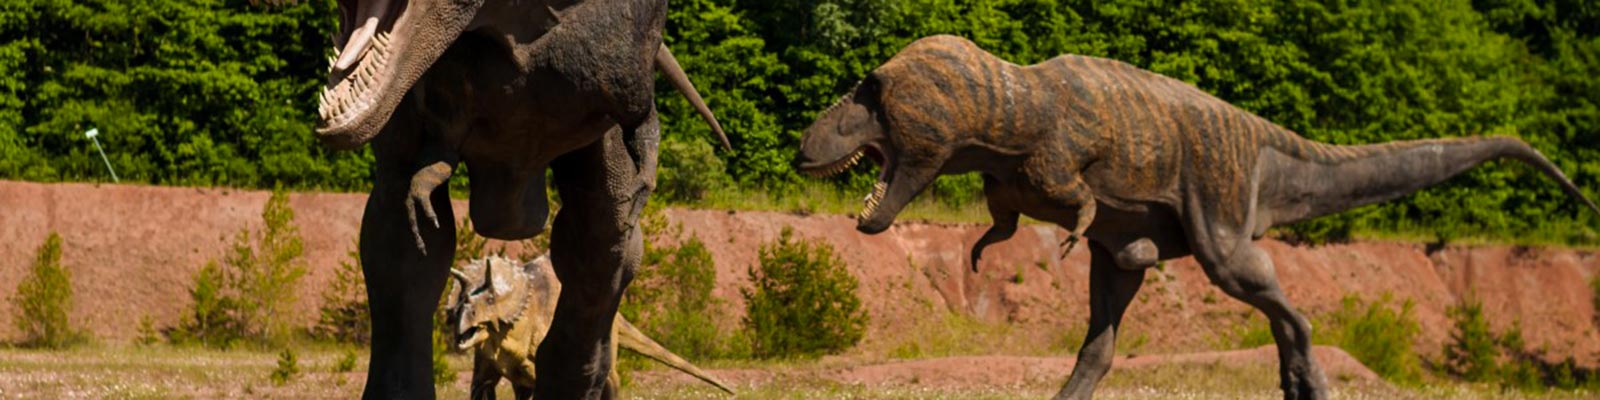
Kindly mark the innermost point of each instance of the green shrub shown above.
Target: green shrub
(690, 169)
(1379, 336)
(148, 333)
(265, 273)
(288, 368)
(1253, 332)
(671, 300)
(442, 346)
(1473, 350)
(802, 301)
(1594, 286)
(251, 296)
(345, 317)
(212, 319)
(43, 300)
(347, 361)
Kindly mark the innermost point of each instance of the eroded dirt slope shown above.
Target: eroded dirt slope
(134, 249)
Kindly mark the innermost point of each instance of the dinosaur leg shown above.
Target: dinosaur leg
(403, 283)
(1005, 225)
(485, 376)
(594, 250)
(1248, 275)
(1110, 291)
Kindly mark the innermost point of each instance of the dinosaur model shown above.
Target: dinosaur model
(509, 89)
(502, 311)
(1146, 167)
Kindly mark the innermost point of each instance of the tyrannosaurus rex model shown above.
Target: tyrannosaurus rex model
(510, 88)
(502, 310)
(1147, 167)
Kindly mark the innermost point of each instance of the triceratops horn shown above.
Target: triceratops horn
(462, 277)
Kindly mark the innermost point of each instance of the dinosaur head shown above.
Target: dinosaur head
(489, 296)
(382, 48)
(863, 125)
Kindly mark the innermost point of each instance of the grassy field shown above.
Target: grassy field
(162, 372)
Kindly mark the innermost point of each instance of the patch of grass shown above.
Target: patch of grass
(44, 299)
(1378, 335)
(1253, 332)
(288, 368)
(802, 301)
(347, 361)
(811, 197)
(443, 374)
(955, 334)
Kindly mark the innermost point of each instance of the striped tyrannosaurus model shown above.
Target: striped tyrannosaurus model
(505, 315)
(1146, 167)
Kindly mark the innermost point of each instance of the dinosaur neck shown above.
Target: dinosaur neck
(1301, 179)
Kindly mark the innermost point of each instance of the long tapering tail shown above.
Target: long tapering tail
(629, 337)
(1318, 179)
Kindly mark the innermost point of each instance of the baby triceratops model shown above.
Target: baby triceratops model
(1146, 167)
(502, 311)
(511, 89)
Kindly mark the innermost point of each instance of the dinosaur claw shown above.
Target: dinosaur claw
(416, 232)
(1068, 244)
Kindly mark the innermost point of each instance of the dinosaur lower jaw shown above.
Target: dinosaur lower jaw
(471, 338)
(365, 79)
(873, 198)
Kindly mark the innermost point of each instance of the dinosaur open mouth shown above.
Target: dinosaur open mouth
(870, 202)
(362, 66)
(470, 337)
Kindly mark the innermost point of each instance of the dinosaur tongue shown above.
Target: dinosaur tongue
(369, 14)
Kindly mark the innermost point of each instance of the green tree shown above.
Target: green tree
(44, 301)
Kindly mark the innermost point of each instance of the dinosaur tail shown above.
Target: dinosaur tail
(1321, 179)
(680, 80)
(629, 337)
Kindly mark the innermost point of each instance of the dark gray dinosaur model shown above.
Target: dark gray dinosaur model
(509, 88)
(1146, 167)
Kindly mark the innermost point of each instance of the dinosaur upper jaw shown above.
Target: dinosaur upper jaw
(385, 46)
(878, 207)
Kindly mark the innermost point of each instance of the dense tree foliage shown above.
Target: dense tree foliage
(222, 91)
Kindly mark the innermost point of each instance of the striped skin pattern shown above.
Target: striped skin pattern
(1145, 166)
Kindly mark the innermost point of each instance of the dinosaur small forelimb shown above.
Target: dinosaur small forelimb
(1085, 218)
(423, 183)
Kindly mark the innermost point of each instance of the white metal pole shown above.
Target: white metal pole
(96, 132)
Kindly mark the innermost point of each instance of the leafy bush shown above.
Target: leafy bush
(671, 300)
(690, 169)
(212, 319)
(1379, 336)
(44, 300)
(802, 301)
(1473, 350)
(252, 295)
(345, 317)
(1594, 287)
